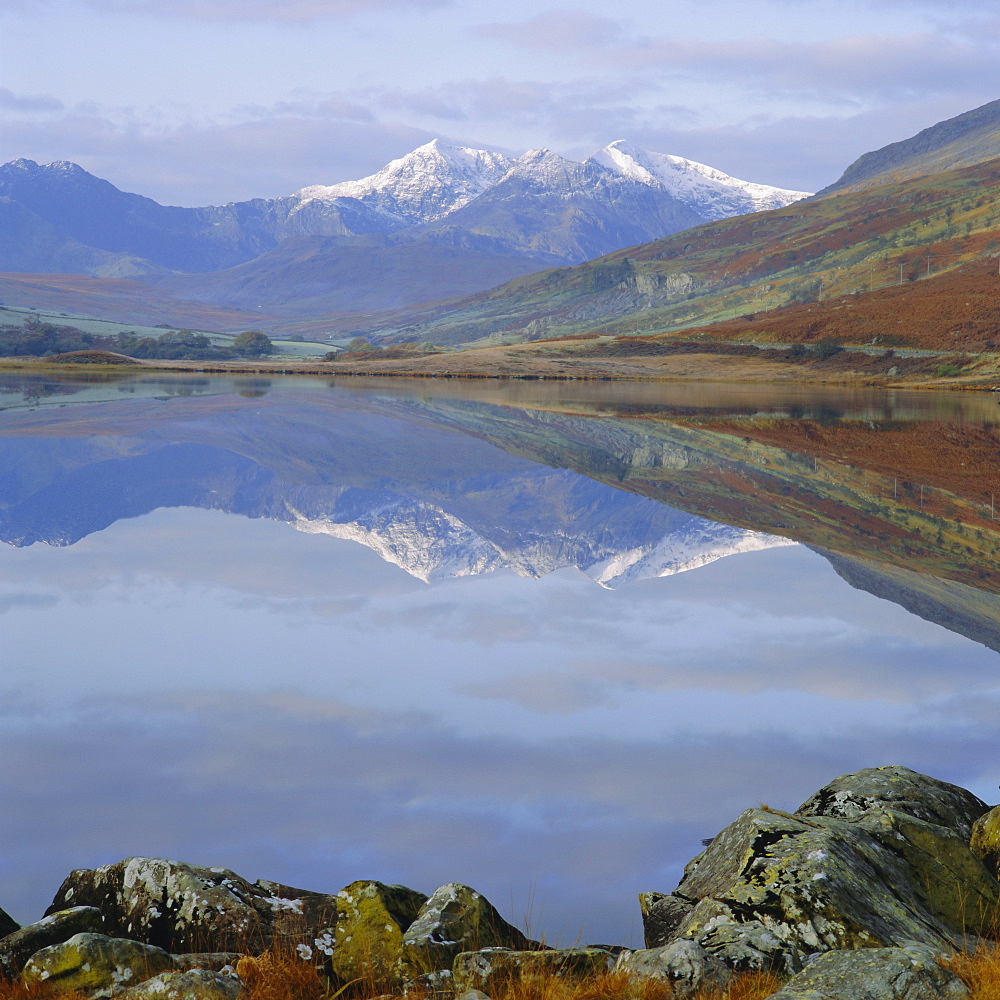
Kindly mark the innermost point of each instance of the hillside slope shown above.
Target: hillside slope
(963, 141)
(806, 252)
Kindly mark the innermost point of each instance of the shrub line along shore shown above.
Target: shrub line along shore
(981, 373)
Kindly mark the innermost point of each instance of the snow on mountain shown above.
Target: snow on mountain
(702, 543)
(713, 193)
(432, 544)
(422, 186)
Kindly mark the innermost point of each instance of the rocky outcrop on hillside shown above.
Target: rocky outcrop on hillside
(858, 894)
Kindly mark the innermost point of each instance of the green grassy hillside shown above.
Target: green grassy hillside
(807, 252)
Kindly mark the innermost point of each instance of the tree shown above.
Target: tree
(360, 344)
(252, 344)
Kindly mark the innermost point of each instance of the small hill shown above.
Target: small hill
(963, 141)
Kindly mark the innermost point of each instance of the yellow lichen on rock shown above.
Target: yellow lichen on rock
(985, 840)
(368, 940)
(88, 962)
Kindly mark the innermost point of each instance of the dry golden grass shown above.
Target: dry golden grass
(276, 976)
(980, 971)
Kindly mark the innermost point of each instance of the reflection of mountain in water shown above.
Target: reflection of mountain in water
(435, 503)
(432, 544)
(446, 486)
(958, 608)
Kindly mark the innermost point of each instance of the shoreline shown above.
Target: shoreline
(485, 365)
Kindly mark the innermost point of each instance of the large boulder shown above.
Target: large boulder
(17, 948)
(985, 839)
(195, 984)
(874, 974)
(494, 968)
(875, 859)
(88, 963)
(187, 908)
(368, 937)
(685, 965)
(662, 914)
(171, 905)
(455, 919)
(299, 920)
(868, 792)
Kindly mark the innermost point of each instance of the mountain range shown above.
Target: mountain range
(441, 221)
(935, 210)
(454, 245)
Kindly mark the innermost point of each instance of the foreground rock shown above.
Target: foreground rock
(985, 839)
(490, 968)
(879, 858)
(88, 963)
(853, 896)
(684, 964)
(455, 919)
(17, 948)
(874, 974)
(197, 984)
(368, 938)
(183, 908)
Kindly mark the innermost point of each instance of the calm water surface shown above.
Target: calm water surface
(541, 640)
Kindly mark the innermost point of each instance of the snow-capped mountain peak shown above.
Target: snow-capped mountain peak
(715, 194)
(433, 544)
(422, 186)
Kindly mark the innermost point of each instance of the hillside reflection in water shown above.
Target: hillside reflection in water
(622, 647)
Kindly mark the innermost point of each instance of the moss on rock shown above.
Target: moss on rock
(92, 962)
(368, 939)
(985, 840)
(455, 919)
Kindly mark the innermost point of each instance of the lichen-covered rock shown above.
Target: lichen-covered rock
(455, 919)
(875, 859)
(174, 906)
(985, 840)
(368, 937)
(299, 920)
(187, 908)
(7, 924)
(492, 967)
(874, 974)
(750, 947)
(208, 961)
(872, 790)
(17, 948)
(194, 984)
(823, 884)
(684, 964)
(92, 962)
(662, 914)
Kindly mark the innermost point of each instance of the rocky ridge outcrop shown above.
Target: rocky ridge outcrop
(859, 893)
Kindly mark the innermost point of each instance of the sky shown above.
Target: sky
(291, 706)
(195, 102)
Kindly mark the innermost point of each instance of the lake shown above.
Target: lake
(539, 638)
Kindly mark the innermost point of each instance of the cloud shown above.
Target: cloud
(264, 155)
(862, 67)
(573, 29)
(290, 11)
(597, 110)
(400, 798)
(29, 103)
